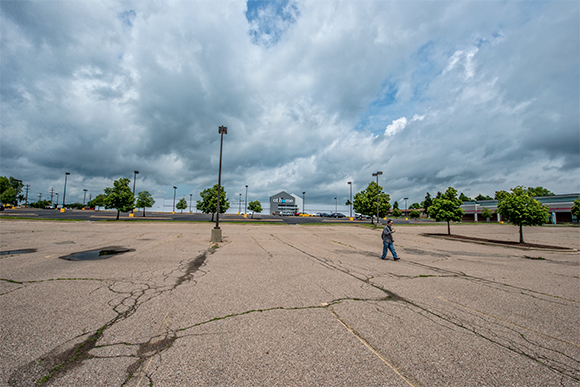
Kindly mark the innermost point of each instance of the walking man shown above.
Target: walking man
(388, 241)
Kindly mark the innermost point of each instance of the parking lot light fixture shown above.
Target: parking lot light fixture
(240, 204)
(246, 201)
(350, 199)
(377, 174)
(64, 193)
(216, 234)
(303, 193)
(190, 199)
(85, 196)
(336, 207)
(174, 193)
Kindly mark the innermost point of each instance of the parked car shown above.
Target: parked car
(276, 213)
(337, 215)
(50, 207)
(286, 213)
(361, 216)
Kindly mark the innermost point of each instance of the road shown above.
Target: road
(94, 215)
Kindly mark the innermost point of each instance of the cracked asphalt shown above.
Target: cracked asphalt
(289, 305)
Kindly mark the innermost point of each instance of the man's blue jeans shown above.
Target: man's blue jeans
(389, 246)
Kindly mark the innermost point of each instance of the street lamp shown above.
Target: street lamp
(240, 203)
(350, 200)
(134, 180)
(378, 191)
(405, 199)
(85, 196)
(64, 193)
(56, 193)
(190, 198)
(336, 207)
(303, 193)
(216, 233)
(246, 202)
(174, 193)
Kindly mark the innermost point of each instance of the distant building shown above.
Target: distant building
(284, 201)
(560, 207)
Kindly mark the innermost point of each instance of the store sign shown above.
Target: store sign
(282, 200)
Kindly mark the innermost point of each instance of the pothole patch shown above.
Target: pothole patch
(92, 255)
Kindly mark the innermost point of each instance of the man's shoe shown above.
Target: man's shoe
(396, 259)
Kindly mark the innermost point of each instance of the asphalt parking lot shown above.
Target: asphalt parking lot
(280, 304)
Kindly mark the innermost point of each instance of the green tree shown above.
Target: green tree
(576, 209)
(483, 197)
(40, 204)
(414, 206)
(500, 195)
(365, 202)
(144, 199)
(181, 204)
(415, 214)
(397, 213)
(464, 198)
(208, 202)
(396, 205)
(120, 197)
(521, 209)
(447, 208)
(255, 206)
(99, 201)
(486, 213)
(539, 191)
(10, 190)
(427, 203)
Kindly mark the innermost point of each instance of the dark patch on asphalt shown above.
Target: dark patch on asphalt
(40, 371)
(146, 350)
(65, 243)
(22, 251)
(91, 255)
(423, 252)
(464, 238)
(192, 267)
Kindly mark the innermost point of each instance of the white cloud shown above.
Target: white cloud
(464, 90)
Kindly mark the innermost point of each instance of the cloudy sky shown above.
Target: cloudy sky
(478, 95)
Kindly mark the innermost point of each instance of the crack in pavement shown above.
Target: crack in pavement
(63, 358)
(532, 353)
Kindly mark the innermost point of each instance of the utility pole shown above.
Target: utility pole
(27, 188)
(40, 196)
(51, 195)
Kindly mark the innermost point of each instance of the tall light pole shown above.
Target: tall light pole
(85, 196)
(56, 193)
(246, 202)
(190, 198)
(377, 174)
(216, 233)
(240, 203)
(64, 193)
(174, 193)
(350, 200)
(405, 199)
(336, 207)
(303, 193)
(134, 180)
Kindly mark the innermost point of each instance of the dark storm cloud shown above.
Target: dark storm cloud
(477, 95)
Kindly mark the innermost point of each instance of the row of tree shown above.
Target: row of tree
(121, 198)
(517, 207)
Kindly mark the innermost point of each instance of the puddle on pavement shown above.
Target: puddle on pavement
(22, 251)
(91, 255)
